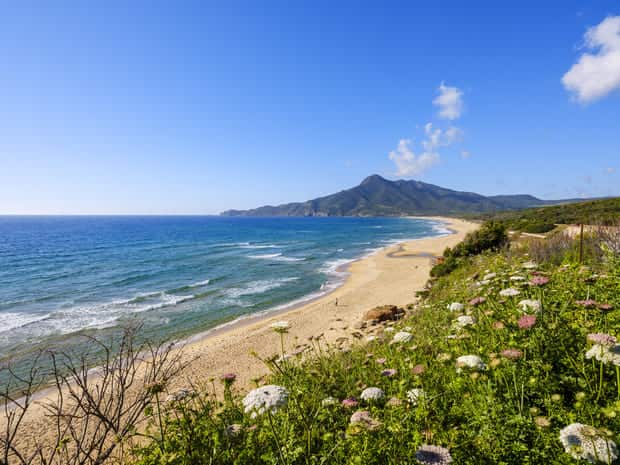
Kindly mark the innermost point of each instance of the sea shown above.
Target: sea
(63, 277)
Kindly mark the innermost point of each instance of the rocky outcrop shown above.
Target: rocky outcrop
(384, 313)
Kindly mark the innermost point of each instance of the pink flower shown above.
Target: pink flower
(605, 307)
(602, 339)
(539, 280)
(588, 303)
(380, 361)
(477, 301)
(228, 378)
(527, 321)
(350, 402)
(390, 372)
(512, 354)
(418, 369)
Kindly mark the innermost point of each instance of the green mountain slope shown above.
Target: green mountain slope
(377, 196)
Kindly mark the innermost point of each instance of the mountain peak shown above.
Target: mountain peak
(373, 179)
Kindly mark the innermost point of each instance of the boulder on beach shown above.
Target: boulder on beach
(384, 313)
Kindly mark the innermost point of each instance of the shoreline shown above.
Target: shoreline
(282, 309)
(390, 275)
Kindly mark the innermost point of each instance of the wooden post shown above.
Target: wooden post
(581, 244)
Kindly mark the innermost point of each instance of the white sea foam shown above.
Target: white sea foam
(257, 287)
(200, 283)
(258, 246)
(276, 257)
(13, 320)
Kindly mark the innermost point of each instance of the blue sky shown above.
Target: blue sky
(181, 107)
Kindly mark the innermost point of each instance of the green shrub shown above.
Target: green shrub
(538, 227)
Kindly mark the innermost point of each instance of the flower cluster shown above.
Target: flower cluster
(472, 362)
(268, 398)
(402, 337)
(586, 442)
(509, 292)
(372, 394)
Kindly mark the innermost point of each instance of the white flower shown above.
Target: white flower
(280, 326)
(510, 292)
(402, 336)
(372, 393)
(484, 282)
(464, 320)
(489, 276)
(530, 265)
(329, 401)
(362, 418)
(585, 442)
(529, 304)
(469, 361)
(371, 338)
(415, 394)
(605, 353)
(517, 278)
(389, 329)
(266, 398)
(456, 306)
(179, 395)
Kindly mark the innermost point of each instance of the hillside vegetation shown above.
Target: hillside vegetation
(540, 220)
(504, 361)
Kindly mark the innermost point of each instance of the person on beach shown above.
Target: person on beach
(336, 301)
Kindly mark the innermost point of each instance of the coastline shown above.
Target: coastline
(391, 275)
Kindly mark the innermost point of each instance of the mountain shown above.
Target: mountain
(377, 196)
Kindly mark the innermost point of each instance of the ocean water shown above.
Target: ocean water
(63, 276)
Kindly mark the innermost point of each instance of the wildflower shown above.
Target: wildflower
(477, 301)
(281, 326)
(328, 401)
(529, 304)
(414, 395)
(228, 378)
(605, 353)
(588, 303)
(512, 354)
(456, 306)
(418, 369)
(402, 336)
(464, 320)
(539, 280)
(380, 361)
(389, 329)
(371, 338)
(350, 402)
(179, 395)
(517, 278)
(586, 442)
(470, 361)
(498, 325)
(527, 321)
(509, 292)
(489, 276)
(605, 307)
(529, 265)
(602, 339)
(390, 372)
(433, 455)
(444, 357)
(372, 394)
(265, 398)
(393, 402)
(234, 430)
(362, 418)
(542, 422)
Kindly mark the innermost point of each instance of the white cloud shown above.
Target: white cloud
(410, 164)
(449, 101)
(453, 135)
(597, 74)
(465, 154)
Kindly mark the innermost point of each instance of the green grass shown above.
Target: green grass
(541, 220)
(511, 412)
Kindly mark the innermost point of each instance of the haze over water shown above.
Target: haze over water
(178, 275)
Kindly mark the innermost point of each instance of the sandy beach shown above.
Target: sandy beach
(390, 276)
